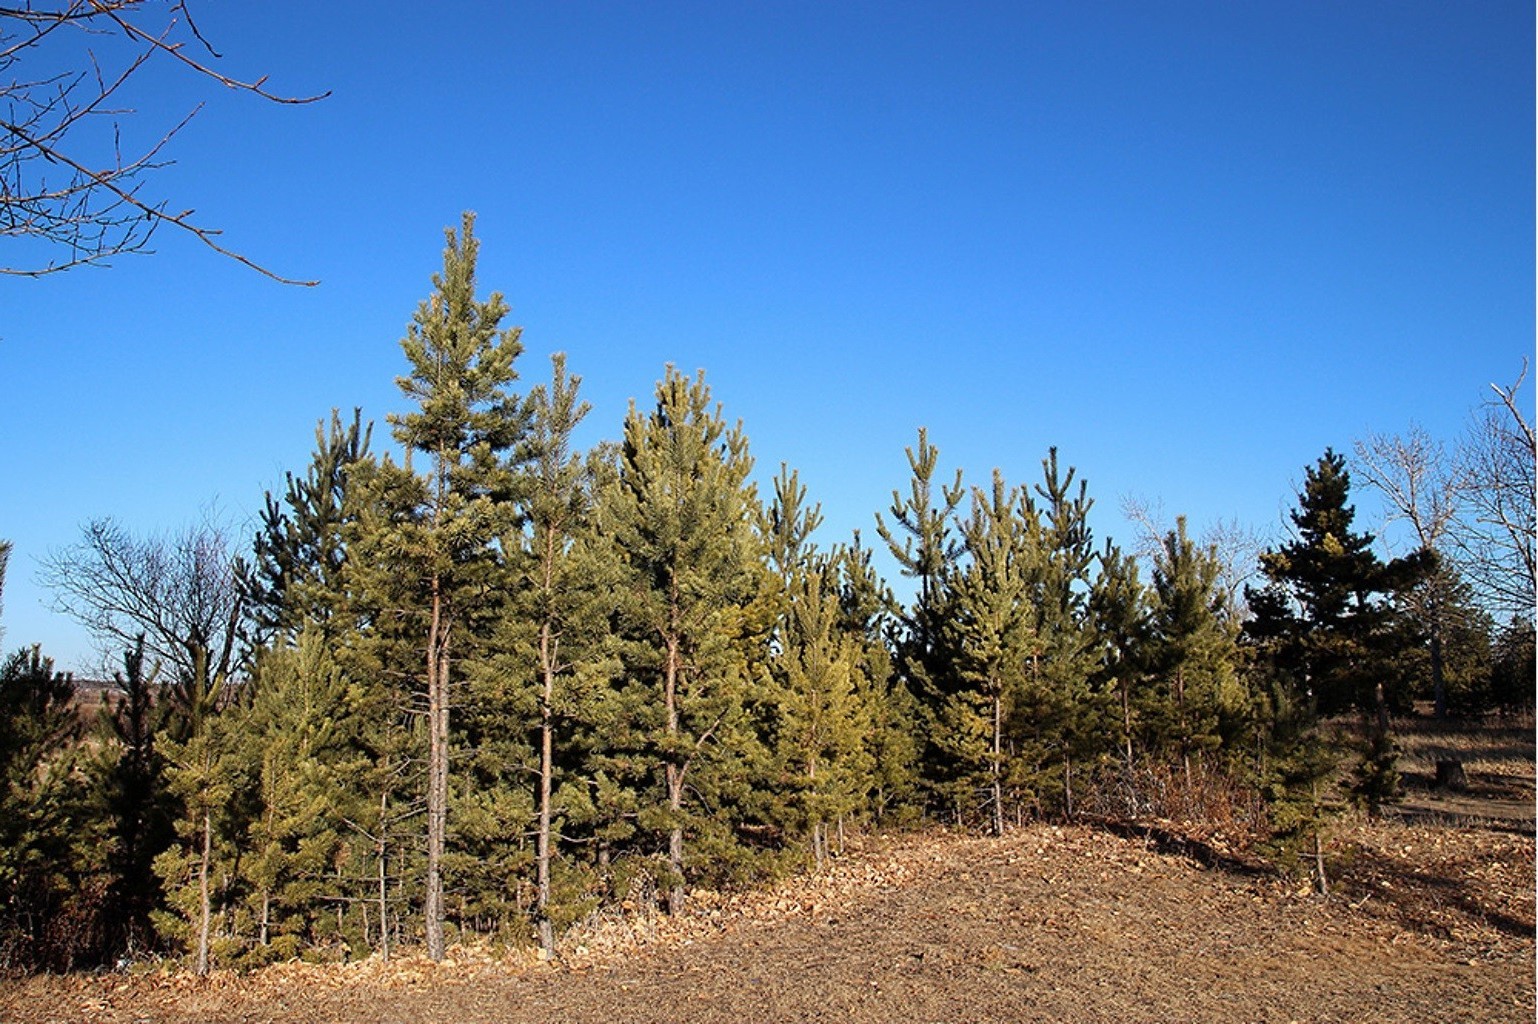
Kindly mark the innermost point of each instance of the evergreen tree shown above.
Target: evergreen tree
(554, 620)
(1326, 621)
(135, 800)
(1063, 716)
(50, 847)
(295, 736)
(300, 551)
(1192, 651)
(682, 521)
(991, 636)
(922, 541)
(866, 615)
(821, 721)
(200, 773)
(1119, 609)
(439, 544)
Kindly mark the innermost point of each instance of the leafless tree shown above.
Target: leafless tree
(65, 180)
(1421, 488)
(1237, 546)
(1493, 534)
(179, 592)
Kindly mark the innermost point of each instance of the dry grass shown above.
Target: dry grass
(1490, 747)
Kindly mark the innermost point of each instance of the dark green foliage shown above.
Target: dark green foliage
(1512, 669)
(1327, 622)
(137, 804)
(52, 891)
(681, 523)
(300, 551)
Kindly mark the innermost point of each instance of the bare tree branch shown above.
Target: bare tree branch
(1494, 531)
(64, 179)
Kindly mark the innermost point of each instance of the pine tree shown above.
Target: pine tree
(46, 835)
(465, 424)
(139, 810)
(866, 615)
(295, 736)
(682, 521)
(1192, 652)
(554, 619)
(300, 551)
(200, 773)
(1118, 605)
(1325, 619)
(1063, 715)
(922, 541)
(991, 636)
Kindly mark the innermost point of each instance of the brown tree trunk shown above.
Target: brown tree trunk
(675, 780)
(997, 767)
(384, 902)
(205, 903)
(546, 773)
(437, 771)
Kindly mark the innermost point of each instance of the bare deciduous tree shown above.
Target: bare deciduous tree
(178, 592)
(1421, 488)
(1493, 535)
(65, 180)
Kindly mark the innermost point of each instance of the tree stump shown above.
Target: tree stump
(1450, 775)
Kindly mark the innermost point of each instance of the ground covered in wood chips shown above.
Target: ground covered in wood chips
(1050, 923)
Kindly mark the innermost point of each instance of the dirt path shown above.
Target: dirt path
(1046, 925)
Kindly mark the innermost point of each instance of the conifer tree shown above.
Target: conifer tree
(866, 608)
(43, 873)
(821, 721)
(990, 632)
(1119, 609)
(1192, 653)
(135, 800)
(465, 425)
(552, 623)
(300, 551)
(682, 521)
(922, 540)
(1064, 715)
(821, 717)
(201, 775)
(295, 735)
(1325, 619)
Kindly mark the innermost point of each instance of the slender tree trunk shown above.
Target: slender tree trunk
(546, 774)
(1068, 785)
(1438, 671)
(1126, 719)
(1185, 727)
(205, 903)
(997, 765)
(384, 901)
(437, 771)
(675, 780)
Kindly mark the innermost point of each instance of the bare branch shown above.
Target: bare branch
(53, 189)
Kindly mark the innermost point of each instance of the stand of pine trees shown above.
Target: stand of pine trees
(494, 684)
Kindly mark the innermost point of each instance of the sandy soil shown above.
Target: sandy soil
(1047, 924)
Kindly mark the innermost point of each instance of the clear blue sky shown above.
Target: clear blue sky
(1190, 244)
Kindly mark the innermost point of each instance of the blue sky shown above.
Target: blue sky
(1190, 244)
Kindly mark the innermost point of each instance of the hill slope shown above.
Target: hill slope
(1049, 924)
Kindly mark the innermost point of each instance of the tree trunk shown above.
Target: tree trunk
(437, 772)
(546, 773)
(998, 765)
(675, 781)
(384, 902)
(205, 904)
